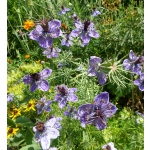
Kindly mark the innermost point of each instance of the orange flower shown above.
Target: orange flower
(9, 61)
(28, 24)
(27, 56)
(64, 26)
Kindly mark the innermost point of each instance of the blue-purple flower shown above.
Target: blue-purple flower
(43, 104)
(67, 40)
(64, 95)
(85, 31)
(140, 82)
(133, 63)
(95, 69)
(37, 80)
(10, 97)
(95, 12)
(51, 52)
(44, 132)
(64, 10)
(45, 32)
(71, 112)
(97, 112)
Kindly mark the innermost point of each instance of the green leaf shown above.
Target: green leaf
(24, 121)
(31, 147)
(29, 137)
(10, 122)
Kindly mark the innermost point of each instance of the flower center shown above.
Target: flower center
(10, 131)
(86, 24)
(35, 76)
(40, 126)
(62, 90)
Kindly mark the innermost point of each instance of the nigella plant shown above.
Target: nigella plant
(64, 95)
(67, 40)
(45, 32)
(85, 31)
(43, 104)
(140, 82)
(64, 10)
(44, 132)
(71, 112)
(134, 63)
(95, 12)
(51, 52)
(37, 80)
(95, 69)
(97, 112)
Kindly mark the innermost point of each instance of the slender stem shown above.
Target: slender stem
(132, 93)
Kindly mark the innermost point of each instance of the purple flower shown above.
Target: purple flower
(67, 40)
(109, 146)
(53, 148)
(44, 132)
(71, 112)
(10, 97)
(64, 10)
(51, 52)
(140, 82)
(85, 31)
(133, 63)
(97, 112)
(43, 104)
(64, 95)
(37, 80)
(95, 12)
(45, 32)
(95, 70)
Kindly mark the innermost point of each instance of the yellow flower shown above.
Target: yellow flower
(30, 106)
(38, 61)
(27, 56)
(11, 132)
(28, 24)
(15, 112)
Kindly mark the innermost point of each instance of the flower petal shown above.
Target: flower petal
(75, 32)
(33, 86)
(102, 99)
(100, 123)
(46, 73)
(93, 34)
(127, 64)
(54, 24)
(45, 42)
(102, 78)
(43, 85)
(45, 142)
(85, 38)
(72, 98)
(51, 122)
(27, 79)
(85, 108)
